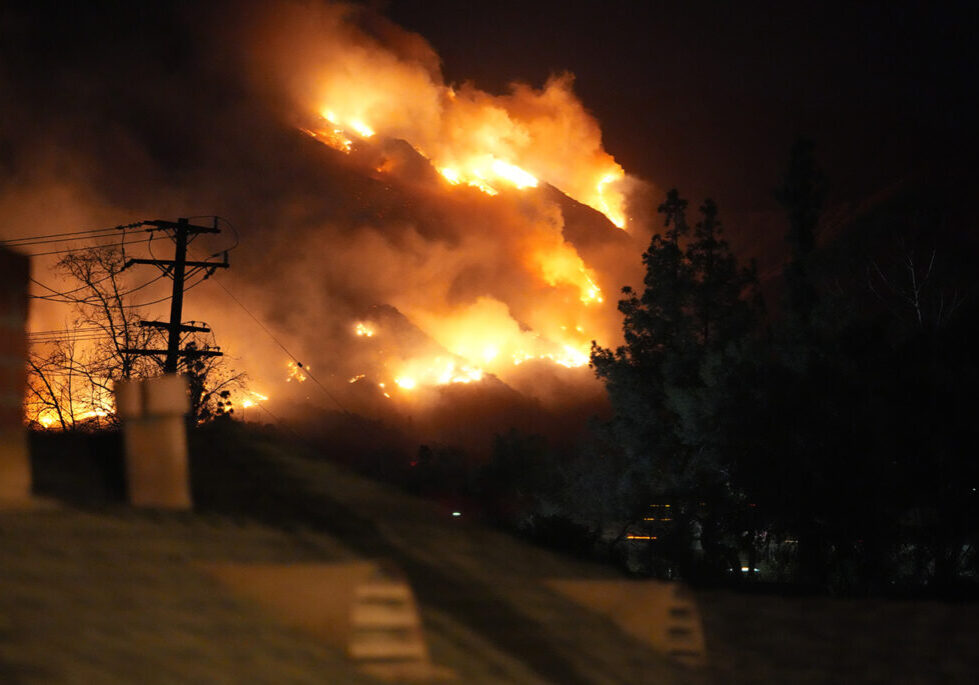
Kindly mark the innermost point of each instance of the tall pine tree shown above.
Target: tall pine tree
(662, 381)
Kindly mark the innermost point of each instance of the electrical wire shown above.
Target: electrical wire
(64, 330)
(216, 219)
(93, 298)
(72, 340)
(73, 290)
(80, 249)
(61, 240)
(163, 299)
(10, 241)
(283, 347)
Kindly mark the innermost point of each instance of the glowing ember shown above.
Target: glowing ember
(356, 378)
(364, 330)
(295, 373)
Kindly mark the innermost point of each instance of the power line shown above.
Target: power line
(73, 290)
(163, 299)
(60, 240)
(70, 233)
(65, 330)
(68, 336)
(284, 348)
(88, 338)
(73, 340)
(79, 249)
(64, 335)
(91, 298)
(85, 285)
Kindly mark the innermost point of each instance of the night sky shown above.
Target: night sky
(709, 96)
(703, 96)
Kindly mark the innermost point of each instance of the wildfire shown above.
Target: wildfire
(362, 92)
(418, 372)
(48, 417)
(253, 399)
(483, 339)
(569, 357)
(436, 371)
(561, 264)
(610, 203)
(360, 89)
(295, 373)
(480, 172)
(364, 330)
(484, 170)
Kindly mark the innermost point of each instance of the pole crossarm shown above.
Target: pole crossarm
(184, 353)
(162, 225)
(184, 328)
(171, 262)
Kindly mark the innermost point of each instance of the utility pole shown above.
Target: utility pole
(177, 300)
(176, 269)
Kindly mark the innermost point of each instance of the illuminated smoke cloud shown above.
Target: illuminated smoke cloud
(441, 202)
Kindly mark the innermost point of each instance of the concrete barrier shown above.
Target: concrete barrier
(357, 607)
(663, 615)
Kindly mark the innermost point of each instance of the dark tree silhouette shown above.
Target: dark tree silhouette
(694, 312)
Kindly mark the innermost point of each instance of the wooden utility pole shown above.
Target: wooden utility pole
(177, 300)
(176, 268)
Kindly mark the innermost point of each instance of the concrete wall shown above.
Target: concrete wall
(15, 470)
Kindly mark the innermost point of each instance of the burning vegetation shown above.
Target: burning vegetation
(358, 95)
(494, 223)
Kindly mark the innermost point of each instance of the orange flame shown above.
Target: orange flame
(252, 399)
(361, 88)
(490, 340)
(364, 330)
(366, 93)
(295, 373)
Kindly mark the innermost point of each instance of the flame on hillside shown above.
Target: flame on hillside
(476, 139)
(356, 90)
(483, 338)
(295, 373)
(467, 238)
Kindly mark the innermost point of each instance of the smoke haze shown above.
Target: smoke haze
(158, 112)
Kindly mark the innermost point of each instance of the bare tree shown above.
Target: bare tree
(911, 289)
(71, 377)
